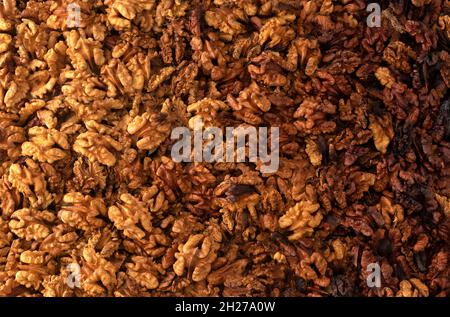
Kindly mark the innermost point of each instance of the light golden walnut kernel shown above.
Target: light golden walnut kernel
(127, 78)
(5, 25)
(412, 288)
(382, 132)
(157, 79)
(56, 286)
(313, 151)
(82, 212)
(84, 53)
(199, 252)
(42, 83)
(185, 224)
(384, 76)
(33, 257)
(150, 130)
(5, 40)
(338, 251)
(97, 274)
(42, 142)
(122, 13)
(37, 265)
(132, 216)
(230, 210)
(15, 89)
(11, 135)
(144, 271)
(302, 218)
(155, 198)
(226, 20)
(279, 257)
(105, 241)
(31, 182)
(30, 224)
(30, 108)
(97, 147)
(29, 279)
(278, 30)
(89, 174)
(392, 213)
(6, 238)
(62, 239)
(444, 202)
(170, 10)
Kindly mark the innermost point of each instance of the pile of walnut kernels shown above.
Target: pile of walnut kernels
(86, 175)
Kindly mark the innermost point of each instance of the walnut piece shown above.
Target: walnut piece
(97, 147)
(41, 144)
(303, 217)
(198, 253)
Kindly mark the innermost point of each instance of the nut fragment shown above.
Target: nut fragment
(198, 253)
(302, 218)
(130, 213)
(42, 142)
(382, 132)
(82, 211)
(151, 130)
(89, 192)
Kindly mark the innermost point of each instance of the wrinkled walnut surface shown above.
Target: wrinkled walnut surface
(86, 175)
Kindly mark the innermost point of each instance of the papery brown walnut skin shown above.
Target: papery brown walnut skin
(86, 175)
